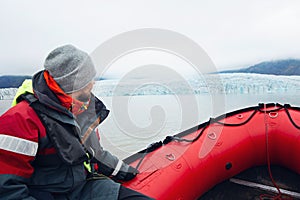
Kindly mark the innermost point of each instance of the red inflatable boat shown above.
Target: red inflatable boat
(187, 165)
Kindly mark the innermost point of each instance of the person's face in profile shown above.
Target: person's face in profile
(84, 94)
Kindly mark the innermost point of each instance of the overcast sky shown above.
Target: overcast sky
(234, 33)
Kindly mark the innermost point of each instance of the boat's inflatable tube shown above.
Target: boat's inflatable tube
(188, 164)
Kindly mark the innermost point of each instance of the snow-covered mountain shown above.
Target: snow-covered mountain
(276, 67)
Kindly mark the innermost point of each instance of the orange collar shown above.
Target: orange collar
(66, 100)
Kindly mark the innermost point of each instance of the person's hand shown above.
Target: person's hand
(128, 175)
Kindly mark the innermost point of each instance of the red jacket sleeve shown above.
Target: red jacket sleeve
(19, 132)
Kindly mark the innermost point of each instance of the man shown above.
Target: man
(49, 148)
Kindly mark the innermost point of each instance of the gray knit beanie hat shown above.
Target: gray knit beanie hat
(70, 67)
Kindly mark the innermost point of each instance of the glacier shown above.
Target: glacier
(7, 93)
(230, 83)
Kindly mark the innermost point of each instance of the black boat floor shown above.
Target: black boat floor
(230, 189)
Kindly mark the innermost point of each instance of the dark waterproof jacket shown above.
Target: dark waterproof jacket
(43, 145)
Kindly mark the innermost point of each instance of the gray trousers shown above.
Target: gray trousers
(98, 189)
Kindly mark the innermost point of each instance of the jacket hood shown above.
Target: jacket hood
(45, 95)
